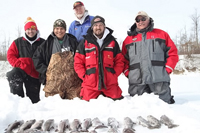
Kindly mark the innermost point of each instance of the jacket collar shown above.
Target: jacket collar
(133, 30)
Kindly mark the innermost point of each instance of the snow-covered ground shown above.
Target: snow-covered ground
(185, 112)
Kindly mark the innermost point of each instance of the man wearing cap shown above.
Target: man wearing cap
(57, 41)
(19, 55)
(150, 56)
(79, 27)
(98, 62)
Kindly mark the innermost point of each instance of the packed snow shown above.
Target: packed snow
(185, 112)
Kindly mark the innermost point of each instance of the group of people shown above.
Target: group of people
(147, 57)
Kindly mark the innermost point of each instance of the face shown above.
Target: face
(59, 32)
(142, 22)
(30, 32)
(98, 29)
(79, 11)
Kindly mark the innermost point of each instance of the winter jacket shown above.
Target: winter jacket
(78, 30)
(20, 55)
(99, 68)
(42, 55)
(150, 55)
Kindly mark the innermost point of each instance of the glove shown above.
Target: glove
(169, 71)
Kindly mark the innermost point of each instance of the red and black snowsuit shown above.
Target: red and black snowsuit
(99, 67)
(19, 55)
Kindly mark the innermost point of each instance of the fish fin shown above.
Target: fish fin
(173, 125)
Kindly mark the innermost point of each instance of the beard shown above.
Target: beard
(79, 16)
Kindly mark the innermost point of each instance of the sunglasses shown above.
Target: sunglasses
(142, 19)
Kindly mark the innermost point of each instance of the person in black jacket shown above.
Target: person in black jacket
(57, 41)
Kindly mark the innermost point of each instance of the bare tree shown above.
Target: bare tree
(19, 31)
(195, 18)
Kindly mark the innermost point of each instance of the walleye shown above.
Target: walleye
(93, 131)
(26, 125)
(48, 125)
(86, 124)
(13, 126)
(144, 122)
(128, 125)
(32, 131)
(113, 123)
(96, 123)
(113, 130)
(154, 122)
(75, 125)
(128, 130)
(168, 122)
(37, 124)
(63, 125)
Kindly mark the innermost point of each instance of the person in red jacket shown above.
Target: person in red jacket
(150, 56)
(19, 55)
(98, 62)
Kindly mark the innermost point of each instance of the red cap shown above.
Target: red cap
(77, 3)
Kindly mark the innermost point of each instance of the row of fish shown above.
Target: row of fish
(41, 126)
(153, 122)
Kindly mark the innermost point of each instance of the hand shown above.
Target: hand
(169, 71)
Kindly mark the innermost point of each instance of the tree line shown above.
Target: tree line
(187, 43)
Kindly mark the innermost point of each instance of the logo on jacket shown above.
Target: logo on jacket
(134, 39)
(75, 28)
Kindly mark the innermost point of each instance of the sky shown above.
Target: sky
(185, 112)
(170, 15)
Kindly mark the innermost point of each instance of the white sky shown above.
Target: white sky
(169, 15)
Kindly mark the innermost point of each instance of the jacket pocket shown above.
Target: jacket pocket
(111, 77)
(108, 58)
(159, 74)
(90, 77)
(91, 57)
(134, 75)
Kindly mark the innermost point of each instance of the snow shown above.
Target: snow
(185, 112)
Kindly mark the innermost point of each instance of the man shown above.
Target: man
(98, 62)
(79, 27)
(150, 57)
(59, 48)
(19, 55)
(57, 41)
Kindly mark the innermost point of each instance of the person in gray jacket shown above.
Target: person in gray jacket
(150, 56)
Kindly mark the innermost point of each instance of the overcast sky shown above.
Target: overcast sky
(169, 15)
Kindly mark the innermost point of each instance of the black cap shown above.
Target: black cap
(97, 19)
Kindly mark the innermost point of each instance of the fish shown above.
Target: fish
(93, 131)
(128, 125)
(154, 122)
(48, 125)
(96, 123)
(75, 126)
(13, 126)
(26, 125)
(144, 122)
(113, 123)
(113, 130)
(63, 125)
(37, 124)
(33, 131)
(128, 130)
(86, 124)
(168, 122)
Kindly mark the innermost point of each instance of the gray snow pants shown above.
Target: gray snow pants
(162, 89)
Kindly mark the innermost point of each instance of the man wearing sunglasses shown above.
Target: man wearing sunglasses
(150, 56)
